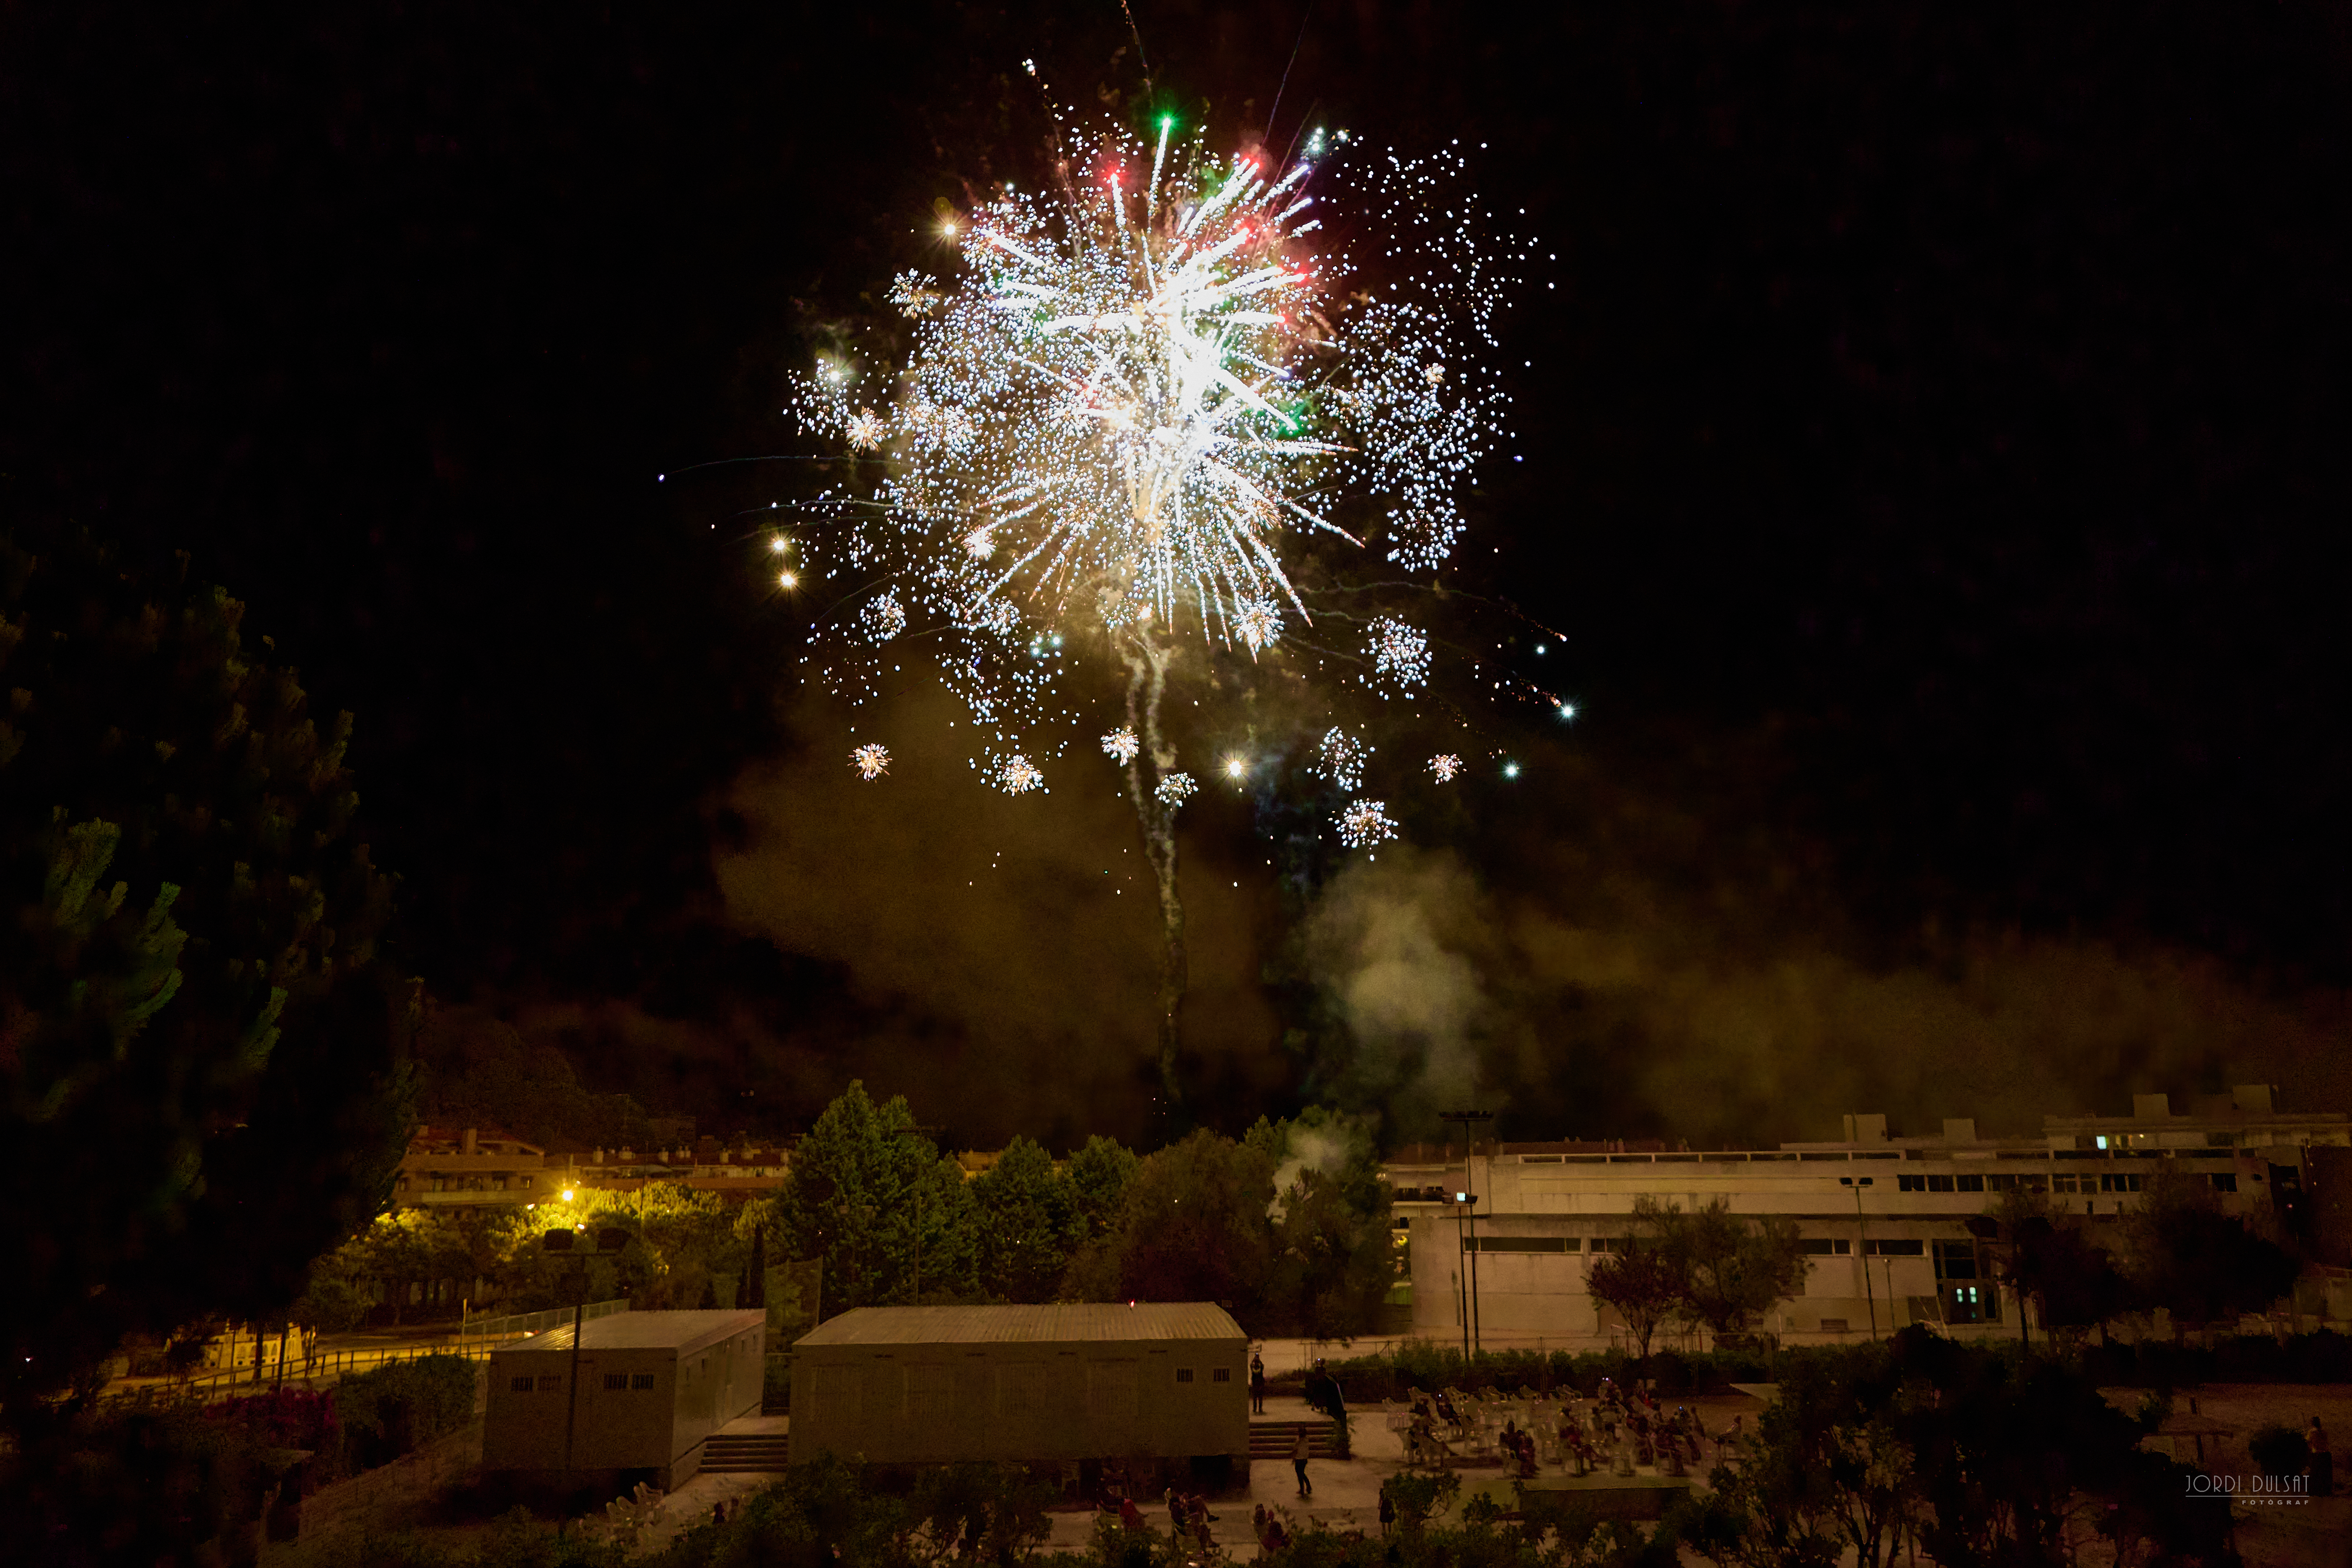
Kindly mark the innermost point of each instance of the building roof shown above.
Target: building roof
(1061, 1323)
(681, 1331)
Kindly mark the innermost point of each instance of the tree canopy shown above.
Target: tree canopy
(202, 1071)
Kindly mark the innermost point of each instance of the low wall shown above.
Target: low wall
(378, 1495)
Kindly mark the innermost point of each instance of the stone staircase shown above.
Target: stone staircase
(1272, 1440)
(740, 1453)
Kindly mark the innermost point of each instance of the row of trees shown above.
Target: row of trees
(1288, 1226)
(1699, 1269)
(2176, 1252)
(1965, 1453)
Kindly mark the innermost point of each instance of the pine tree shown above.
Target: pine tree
(203, 1083)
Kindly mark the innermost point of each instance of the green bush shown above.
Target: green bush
(1425, 1364)
(397, 1409)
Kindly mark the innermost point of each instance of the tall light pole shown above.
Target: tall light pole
(609, 1243)
(922, 1135)
(1470, 1197)
(1463, 1204)
(1862, 1244)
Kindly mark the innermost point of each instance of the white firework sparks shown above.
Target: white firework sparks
(1444, 765)
(1259, 622)
(1175, 789)
(1135, 394)
(1364, 823)
(1341, 757)
(1121, 746)
(1018, 775)
(882, 617)
(915, 293)
(870, 761)
(1400, 652)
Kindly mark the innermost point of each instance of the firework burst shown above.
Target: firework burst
(1444, 766)
(1400, 653)
(1340, 758)
(1175, 789)
(1121, 746)
(871, 760)
(1364, 823)
(1018, 775)
(1137, 392)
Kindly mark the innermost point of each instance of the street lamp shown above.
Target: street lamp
(609, 1243)
(1470, 1197)
(1857, 1184)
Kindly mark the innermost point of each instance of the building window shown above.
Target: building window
(1897, 1248)
(1183, 1374)
(1956, 1260)
(1826, 1246)
(2225, 1181)
(1910, 1184)
(1939, 1183)
(2120, 1183)
(1612, 1244)
(1970, 1184)
(518, 1385)
(1220, 1374)
(641, 1380)
(616, 1382)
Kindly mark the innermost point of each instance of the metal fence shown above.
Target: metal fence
(524, 1324)
(300, 1372)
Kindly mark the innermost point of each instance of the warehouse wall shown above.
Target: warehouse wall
(1019, 1402)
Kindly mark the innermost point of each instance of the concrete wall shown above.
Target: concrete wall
(1528, 1296)
(905, 1403)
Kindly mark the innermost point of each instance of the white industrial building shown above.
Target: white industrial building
(1072, 1381)
(1883, 1216)
(643, 1394)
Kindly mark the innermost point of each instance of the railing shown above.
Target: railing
(326, 1367)
(518, 1325)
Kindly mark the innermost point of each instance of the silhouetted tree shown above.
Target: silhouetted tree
(2201, 1266)
(203, 1079)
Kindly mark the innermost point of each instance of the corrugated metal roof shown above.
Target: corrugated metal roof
(680, 1331)
(1061, 1323)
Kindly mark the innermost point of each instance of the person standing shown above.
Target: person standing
(1299, 1450)
(2323, 1462)
(1257, 1383)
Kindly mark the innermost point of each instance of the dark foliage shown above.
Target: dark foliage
(201, 1042)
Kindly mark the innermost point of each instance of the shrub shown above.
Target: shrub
(2279, 1451)
(285, 1418)
(397, 1409)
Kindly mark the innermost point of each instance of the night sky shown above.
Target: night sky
(1935, 469)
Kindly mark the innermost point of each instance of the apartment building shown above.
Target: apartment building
(467, 1169)
(1884, 1217)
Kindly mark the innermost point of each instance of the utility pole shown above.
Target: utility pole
(1857, 1184)
(1469, 1119)
(609, 1242)
(924, 1134)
